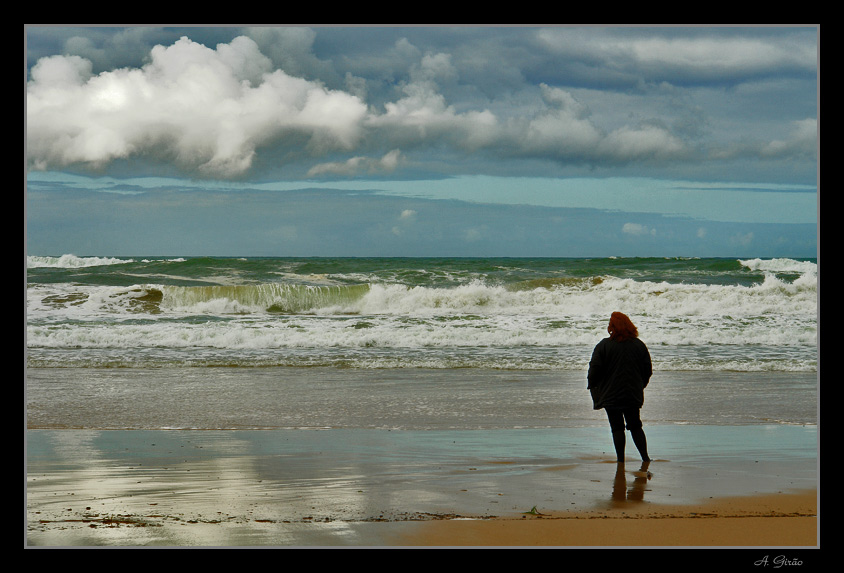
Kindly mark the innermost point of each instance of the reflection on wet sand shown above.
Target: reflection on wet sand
(621, 494)
(336, 487)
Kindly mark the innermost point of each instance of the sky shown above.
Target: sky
(561, 141)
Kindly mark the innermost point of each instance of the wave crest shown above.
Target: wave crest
(72, 262)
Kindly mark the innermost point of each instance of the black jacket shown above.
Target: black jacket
(619, 373)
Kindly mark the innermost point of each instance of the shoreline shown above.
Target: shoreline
(751, 486)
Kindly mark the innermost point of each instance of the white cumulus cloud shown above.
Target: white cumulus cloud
(202, 108)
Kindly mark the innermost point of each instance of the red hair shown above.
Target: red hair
(621, 328)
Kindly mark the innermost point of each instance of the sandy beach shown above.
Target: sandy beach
(754, 486)
(776, 520)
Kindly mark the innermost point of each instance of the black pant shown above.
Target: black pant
(618, 418)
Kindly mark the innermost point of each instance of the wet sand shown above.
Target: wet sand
(708, 486)
(776, 520)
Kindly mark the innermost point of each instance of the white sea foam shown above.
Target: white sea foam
(781, 265)
(72, 261)
(549, 323)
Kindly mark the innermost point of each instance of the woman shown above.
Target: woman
(619, 371)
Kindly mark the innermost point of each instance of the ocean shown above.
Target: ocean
(414, 343)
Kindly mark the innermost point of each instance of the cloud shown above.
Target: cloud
(700, 55)
(358, 165)
(742, 239)
(563, 127)
(211, 110)
(637, 229)
(324, 102)
(203, 109)
(406, 219)
(475, 234)
(422, 115)
(801, 142)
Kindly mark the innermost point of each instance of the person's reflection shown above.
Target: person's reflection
(620, 492)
